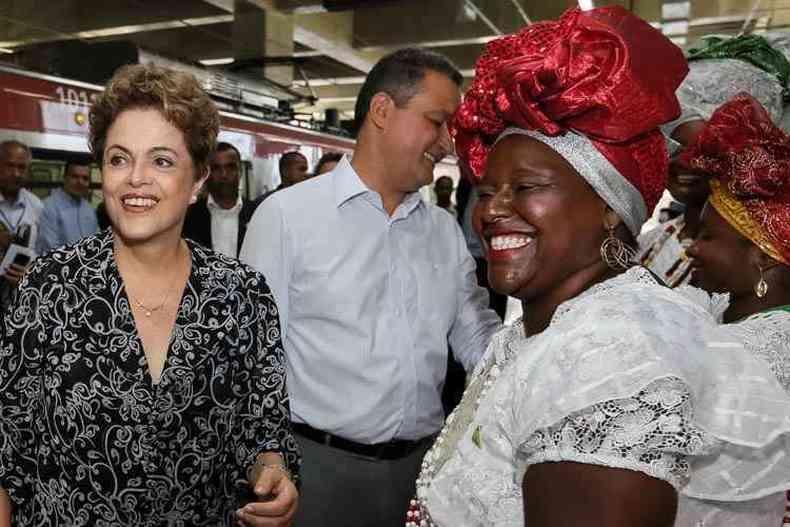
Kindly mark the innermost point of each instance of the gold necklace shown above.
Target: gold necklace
(149, 310)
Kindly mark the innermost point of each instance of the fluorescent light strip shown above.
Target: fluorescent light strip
(347, 81)
(128, 30)
(217, 62)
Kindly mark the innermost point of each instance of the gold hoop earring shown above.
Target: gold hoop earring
(761, 287)
(615, 253)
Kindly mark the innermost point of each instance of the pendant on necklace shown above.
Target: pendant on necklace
(147, 313)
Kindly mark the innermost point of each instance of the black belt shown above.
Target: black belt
(391, 450)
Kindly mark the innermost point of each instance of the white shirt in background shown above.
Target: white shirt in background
(224, 227)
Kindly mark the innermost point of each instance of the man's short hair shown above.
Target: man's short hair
(399, 75)
(288, 157)
(329, 157)
(442, 179)
(6, 145)
(222, 146)
(75, 163)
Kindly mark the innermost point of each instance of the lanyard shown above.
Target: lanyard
(12, 226)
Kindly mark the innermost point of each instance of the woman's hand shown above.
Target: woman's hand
(5, 509)
(277, 495)
(14, 274)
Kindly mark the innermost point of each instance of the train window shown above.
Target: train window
(96, 195)
(46, 174)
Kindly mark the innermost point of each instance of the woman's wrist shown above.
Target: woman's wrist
(267, 461)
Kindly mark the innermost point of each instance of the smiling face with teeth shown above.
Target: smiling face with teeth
(541, 223)
(415, 136)
(148, 177)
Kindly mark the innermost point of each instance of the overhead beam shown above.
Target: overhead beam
(431, 44)
(120, 30)
(320, 35)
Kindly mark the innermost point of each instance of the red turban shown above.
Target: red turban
(605, 74)
(748, 158)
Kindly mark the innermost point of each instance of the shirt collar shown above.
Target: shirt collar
(213, 205)
(348, 185)
(347, 182)
(19, 202)
(65, 196)
(411, 202)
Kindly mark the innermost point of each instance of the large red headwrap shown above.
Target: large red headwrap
(604, 73)
(749, 160)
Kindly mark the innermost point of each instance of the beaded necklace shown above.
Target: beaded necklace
(456, 425)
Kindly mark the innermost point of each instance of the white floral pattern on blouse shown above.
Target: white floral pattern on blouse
(86, 437)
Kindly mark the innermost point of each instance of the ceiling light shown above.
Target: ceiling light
(217, 62)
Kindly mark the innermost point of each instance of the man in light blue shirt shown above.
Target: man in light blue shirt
(68, 215)
(371, 284)
(20, 210)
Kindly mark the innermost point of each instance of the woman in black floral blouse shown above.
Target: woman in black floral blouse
(141, 376)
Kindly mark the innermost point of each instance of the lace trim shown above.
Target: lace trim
(652, 470)
(767, 336)
(651, 432)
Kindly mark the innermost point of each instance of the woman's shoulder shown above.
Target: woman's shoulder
(766, 336)
(225, 271)
(610, 343)
(91, 254)
(636, 302)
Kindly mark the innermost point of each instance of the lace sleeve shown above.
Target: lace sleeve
(651, 432)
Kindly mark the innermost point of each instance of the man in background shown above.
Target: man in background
(293, 169)
(443, 188)
(20, 209)
(219, 221)
(67, 215)
(328, 162)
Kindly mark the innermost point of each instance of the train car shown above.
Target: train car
(50, 115)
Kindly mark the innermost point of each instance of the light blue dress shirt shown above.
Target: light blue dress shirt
(25, 210)
(368, 303)
(64, 220)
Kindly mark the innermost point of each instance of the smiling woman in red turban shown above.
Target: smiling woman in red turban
(748, 159)
(595, 407)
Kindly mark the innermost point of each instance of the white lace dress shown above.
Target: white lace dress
(631, 375)
(765, 336)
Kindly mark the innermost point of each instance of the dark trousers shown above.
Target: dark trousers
(340, 489)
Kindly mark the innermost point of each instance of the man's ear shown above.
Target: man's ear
(381, 106)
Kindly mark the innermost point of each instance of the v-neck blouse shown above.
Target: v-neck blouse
(86, 437)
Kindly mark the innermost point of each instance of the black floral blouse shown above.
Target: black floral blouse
(87, 438)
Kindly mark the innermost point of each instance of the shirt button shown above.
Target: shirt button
(397, 312)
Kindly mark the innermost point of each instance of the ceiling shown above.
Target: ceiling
(323, 48)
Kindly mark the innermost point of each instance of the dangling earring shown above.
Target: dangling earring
(761, 287)
(616, 253)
